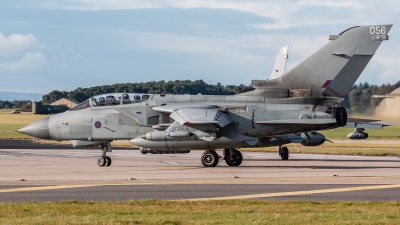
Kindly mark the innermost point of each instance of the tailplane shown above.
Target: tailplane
(334, 68)
(280, 63)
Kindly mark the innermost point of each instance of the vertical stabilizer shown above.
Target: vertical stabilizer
(280, 63)
(334, 68)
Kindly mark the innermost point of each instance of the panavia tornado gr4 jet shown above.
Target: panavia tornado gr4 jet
(290, 107)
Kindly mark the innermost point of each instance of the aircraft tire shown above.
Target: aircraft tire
(209, 158)
(108, 161)
(236, 160)
(101, 161)
(284, 153)
(143, 150)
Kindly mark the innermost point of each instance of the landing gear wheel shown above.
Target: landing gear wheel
(108, 161)
(104, 160)
(233, 157)
(143, 150)
(284, 152)
(209, 158)
(101, 161)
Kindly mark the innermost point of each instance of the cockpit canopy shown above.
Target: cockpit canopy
(112, 99)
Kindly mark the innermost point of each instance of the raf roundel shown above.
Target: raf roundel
(97, 124)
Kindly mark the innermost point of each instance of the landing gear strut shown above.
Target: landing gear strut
(233, 157)
(284, 153)
(104, 160)
(209, 158)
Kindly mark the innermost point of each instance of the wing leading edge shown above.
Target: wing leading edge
(200, 116)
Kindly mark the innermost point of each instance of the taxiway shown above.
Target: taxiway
(45, 172)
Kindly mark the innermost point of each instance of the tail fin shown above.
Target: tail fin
(280, 63)
(334, 68)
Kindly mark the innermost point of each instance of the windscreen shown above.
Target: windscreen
(83, 105)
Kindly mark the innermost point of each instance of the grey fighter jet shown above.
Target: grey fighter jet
(292, 107)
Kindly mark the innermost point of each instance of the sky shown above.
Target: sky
(61, 45)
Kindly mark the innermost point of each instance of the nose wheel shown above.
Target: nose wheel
(104, 160)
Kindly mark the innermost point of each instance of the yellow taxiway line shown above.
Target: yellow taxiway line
(291, 193)
(251, 196)
(43, 188)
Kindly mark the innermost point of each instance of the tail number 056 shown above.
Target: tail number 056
(377, 30)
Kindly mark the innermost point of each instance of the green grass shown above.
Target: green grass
(9, 123)
(8, 131)
(6, 110)
(195, 212)
(387, 133)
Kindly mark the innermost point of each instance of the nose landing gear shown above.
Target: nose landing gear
(104, 160)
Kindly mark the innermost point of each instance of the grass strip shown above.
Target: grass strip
(387, 133)
(195, 212)
(9, 123)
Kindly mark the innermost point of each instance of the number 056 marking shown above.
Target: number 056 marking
(377, 30)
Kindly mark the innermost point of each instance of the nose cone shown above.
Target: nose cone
(39, 129)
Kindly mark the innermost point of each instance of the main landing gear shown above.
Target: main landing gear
(284, 153)
(232, 157)
(104, 160)
(209, 158)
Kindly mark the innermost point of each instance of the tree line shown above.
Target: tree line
(23, 105)
(358, 100)
(153, 87)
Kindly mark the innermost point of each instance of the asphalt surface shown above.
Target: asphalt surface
(46, 172)
(195, 191)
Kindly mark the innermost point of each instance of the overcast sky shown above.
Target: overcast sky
(65, 44)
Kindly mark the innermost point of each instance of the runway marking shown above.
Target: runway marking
(42, 188)
(230, 181)
(291, 193)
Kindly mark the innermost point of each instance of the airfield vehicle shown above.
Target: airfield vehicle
(291, 107)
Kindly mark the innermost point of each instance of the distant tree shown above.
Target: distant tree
(152, 87)
(53, 96)
(26, 108)
(359, 99)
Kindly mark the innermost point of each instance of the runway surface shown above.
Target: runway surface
(58, 172)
